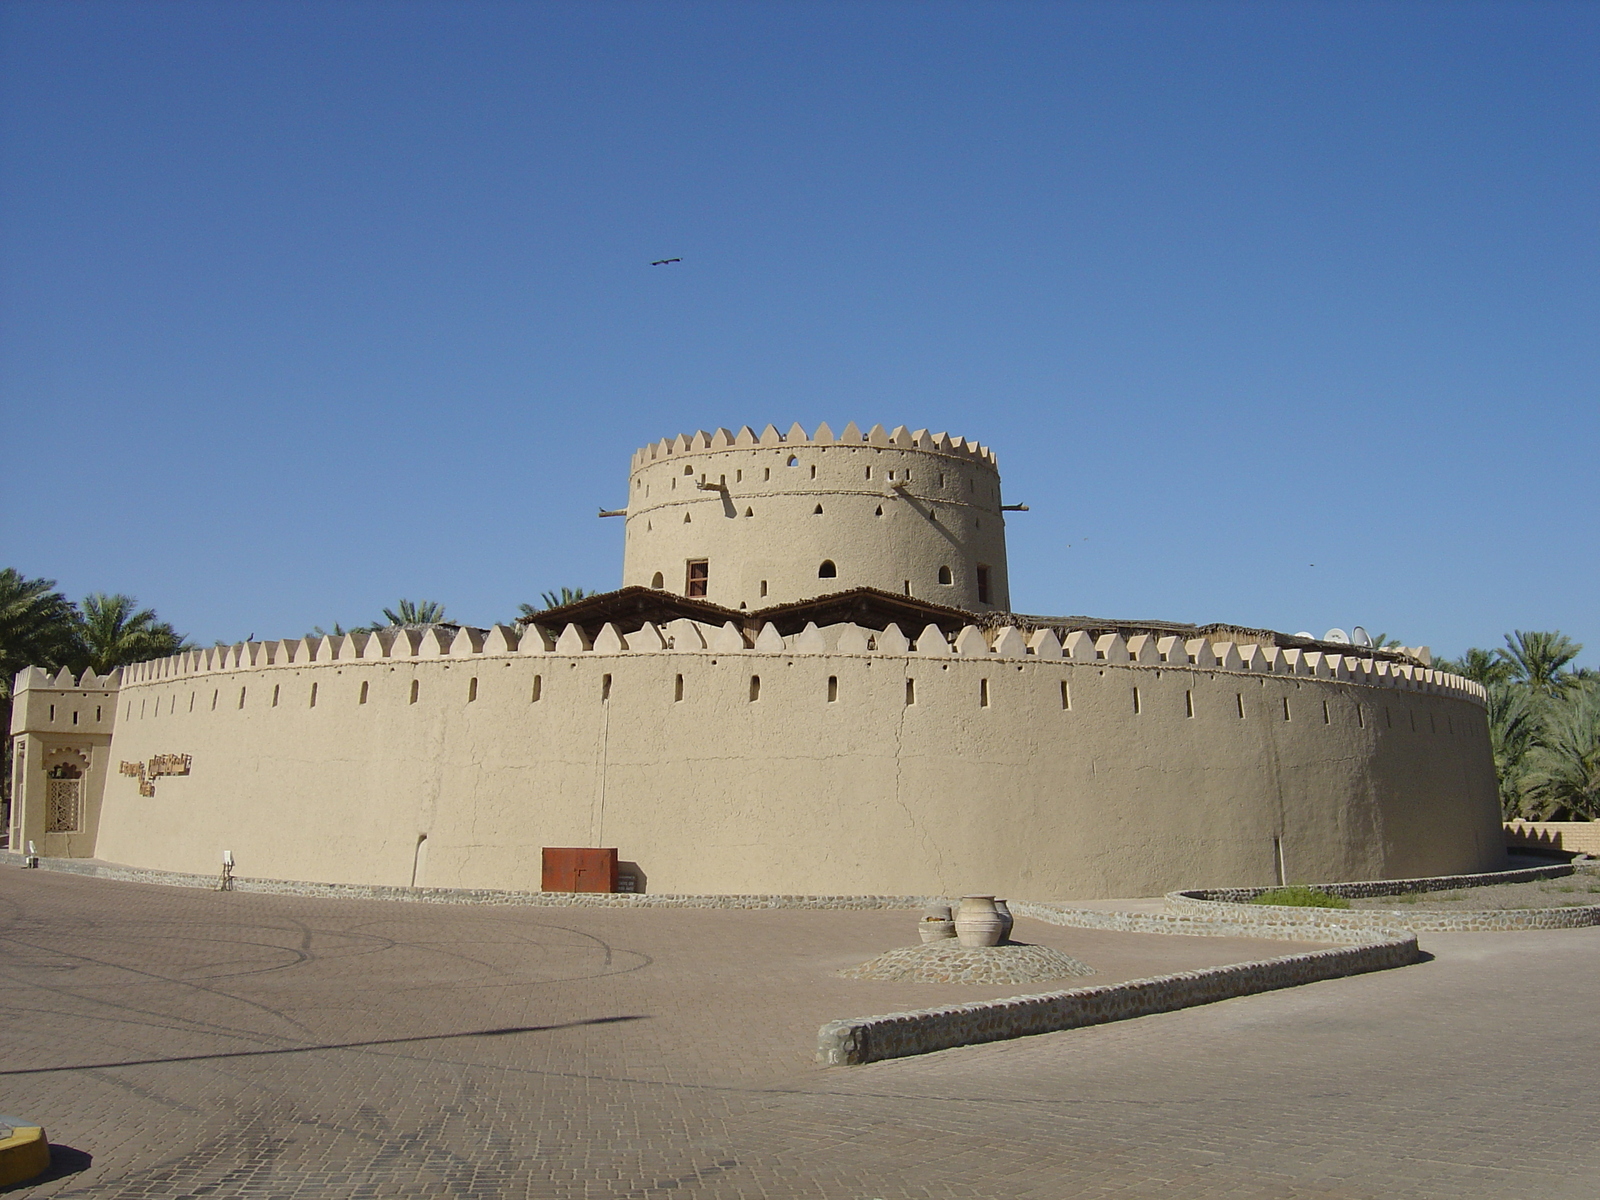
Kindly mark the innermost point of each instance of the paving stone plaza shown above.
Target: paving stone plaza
(185, 1043)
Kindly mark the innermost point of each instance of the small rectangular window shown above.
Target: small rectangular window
(755, 687)
(363, 698)
(677, 689)
(911, 691)
(1135, 699)
(1327, 718)
(1361, 718)
(983, 585)
(1286, 708)
(1066, 695)
(833, 688)
(415, 688)
(605, 687)
(768, 474)
(472, 689)
(1188, 703)
(538, 689)
(214, 694)
(275, 689)
(313, 695)
(241, 697)
(763, 587)
(698, 577)
(983, 693)
(1238, 699)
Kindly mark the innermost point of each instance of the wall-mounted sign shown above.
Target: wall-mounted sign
(159, 765)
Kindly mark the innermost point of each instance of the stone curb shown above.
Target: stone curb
(490, 896)
(897, 1035)
(1320, 922)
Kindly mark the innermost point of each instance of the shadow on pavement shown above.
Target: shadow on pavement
(399, 1041)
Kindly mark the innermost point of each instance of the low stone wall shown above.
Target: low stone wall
(897, 1035)
(1397, 887)
(1582, 837)
(1256, 923)
(1271, 919)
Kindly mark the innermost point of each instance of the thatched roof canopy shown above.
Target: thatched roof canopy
(630, 607)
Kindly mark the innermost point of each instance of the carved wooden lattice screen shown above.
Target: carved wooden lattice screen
(61, 805)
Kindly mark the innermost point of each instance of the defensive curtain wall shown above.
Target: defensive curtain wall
(832, 760)
(748, 520)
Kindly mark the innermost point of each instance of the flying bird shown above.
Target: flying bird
(661, 262)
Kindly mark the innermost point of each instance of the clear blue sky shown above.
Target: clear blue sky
(306, 307)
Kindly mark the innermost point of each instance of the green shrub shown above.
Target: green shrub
(1300, 896)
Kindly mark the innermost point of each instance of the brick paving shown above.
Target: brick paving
(203, 1044)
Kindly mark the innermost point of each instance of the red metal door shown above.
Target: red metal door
(579, 869)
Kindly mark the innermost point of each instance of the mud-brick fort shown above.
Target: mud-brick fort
(810, 682)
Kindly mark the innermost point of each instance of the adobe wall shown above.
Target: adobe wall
(910, 513)
(1378, 771)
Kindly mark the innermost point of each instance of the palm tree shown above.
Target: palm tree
(112, 634)
(1537, 658)
(1513, 731)
(418, 612)
(1564, 768)
(1487, 667)
(35, 629)
(567, 595)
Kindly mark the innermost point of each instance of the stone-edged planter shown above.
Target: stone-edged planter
(897, 1035)
(1273, 917)
(1367, 889)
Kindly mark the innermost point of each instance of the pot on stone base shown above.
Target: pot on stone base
(978, 922)
(936, 924)
(1005, 916)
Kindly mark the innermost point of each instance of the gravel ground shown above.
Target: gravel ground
(1580, 889)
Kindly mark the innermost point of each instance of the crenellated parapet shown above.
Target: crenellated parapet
(851, 435)
(972, 642)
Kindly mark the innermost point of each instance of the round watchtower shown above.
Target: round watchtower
(749, 520)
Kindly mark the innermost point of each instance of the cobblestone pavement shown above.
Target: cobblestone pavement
(228, 1045)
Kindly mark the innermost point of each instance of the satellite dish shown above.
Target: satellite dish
(1337, 635)
(1307, 634)
(1360, 637)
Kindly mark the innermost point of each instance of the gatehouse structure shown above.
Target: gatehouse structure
(811, 682)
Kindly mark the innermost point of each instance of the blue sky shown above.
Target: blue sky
(306, 307)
